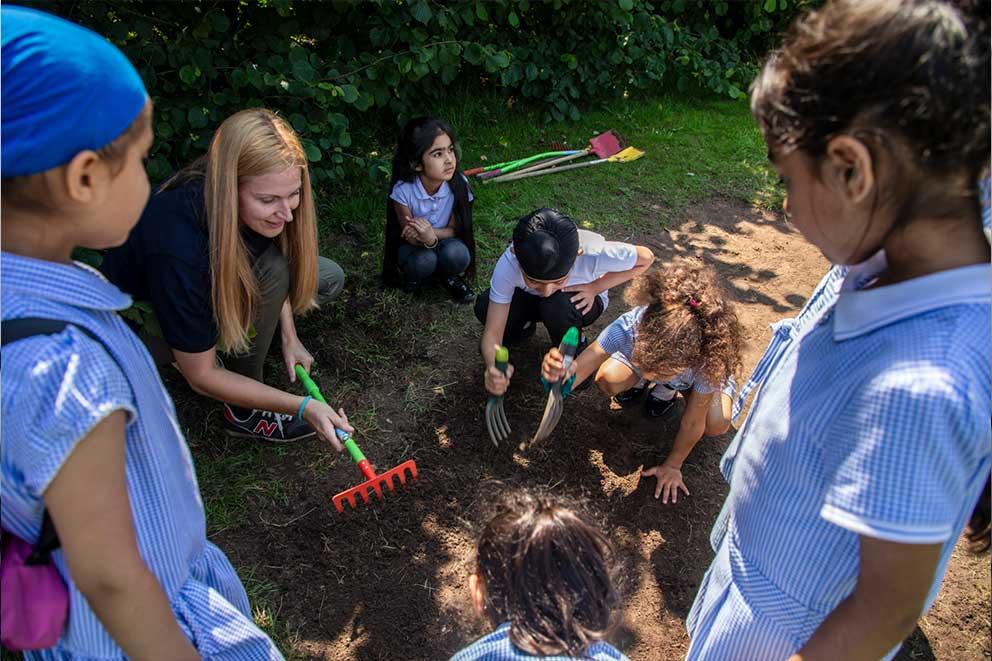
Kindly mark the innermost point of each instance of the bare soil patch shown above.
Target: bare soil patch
(388, 581)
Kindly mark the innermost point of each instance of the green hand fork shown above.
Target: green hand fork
(553, 409)
(373, 481)
(496, 422)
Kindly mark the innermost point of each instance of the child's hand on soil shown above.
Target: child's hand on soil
(551, 366)
(669, 482)
(324, 419)
(585, 296)
(496, 381)
(294, 352)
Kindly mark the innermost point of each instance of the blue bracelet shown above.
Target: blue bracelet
(303, 405)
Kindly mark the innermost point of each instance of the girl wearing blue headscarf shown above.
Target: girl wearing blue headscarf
(90, 438)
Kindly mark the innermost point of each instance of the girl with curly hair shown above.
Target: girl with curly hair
(682, 336)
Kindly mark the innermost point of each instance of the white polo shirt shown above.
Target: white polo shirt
(873, 421)
(436, 208)
(597, 258)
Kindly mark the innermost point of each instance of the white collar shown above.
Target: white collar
(443, 190)
(859, 311)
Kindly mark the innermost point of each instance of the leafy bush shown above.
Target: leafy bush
(326, 65)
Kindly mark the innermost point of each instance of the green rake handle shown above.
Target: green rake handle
(502, 362)
(520, 162)
(349, 443)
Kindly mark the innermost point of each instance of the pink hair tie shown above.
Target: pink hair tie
(693, 303)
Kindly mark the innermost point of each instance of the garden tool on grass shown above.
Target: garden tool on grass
(373, 481)
(628, 154)
(603, 145)
(516, 165)
(520, 162)
(496, 422)
(552, 411)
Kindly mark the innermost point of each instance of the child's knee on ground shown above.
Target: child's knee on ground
(613, 377)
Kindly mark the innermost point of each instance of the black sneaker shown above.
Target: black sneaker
(460, 292)
(409, 287)
(266, 426)
(656, 408)
(630, 396)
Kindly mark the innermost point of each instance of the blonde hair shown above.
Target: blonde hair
(248, 144)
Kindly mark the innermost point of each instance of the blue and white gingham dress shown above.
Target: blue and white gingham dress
(496, 646)
(56, 388)
(618, 338)
(873, 420)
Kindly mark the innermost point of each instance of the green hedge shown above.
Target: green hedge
(327, 65)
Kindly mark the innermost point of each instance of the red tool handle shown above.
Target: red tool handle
(473, 171)
(367, 469)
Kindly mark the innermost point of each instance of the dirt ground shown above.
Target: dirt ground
(388, 581)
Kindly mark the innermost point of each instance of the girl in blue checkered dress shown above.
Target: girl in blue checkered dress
(682, 336)
(544, 578)
(868, 441)
(89, 432)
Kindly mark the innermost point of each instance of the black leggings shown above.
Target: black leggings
(556, 312)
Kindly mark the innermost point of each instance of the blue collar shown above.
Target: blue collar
(73, 284)
(444, 190)
(859, 311)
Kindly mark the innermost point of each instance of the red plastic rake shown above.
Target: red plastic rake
(373, 482)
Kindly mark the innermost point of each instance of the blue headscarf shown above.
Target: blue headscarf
(65, 89)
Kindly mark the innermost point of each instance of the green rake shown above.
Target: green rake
(373, 482)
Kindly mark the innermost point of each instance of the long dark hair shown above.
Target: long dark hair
(907, 76)
(549, 571)
(415, 139)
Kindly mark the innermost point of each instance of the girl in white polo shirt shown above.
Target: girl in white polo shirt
(429, 213)
(555, 274)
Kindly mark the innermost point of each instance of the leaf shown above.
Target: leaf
(313, 151)
(531, 71)
(514, 20)
(196, 118)
(220, 22)
(350, 93)
(255, 77)
(188, 74)
(770, 6)
(626, 5)
(421, 12)
(303, 71)
(481, 12)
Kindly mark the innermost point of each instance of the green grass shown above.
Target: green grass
(694, 147)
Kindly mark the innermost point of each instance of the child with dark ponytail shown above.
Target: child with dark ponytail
(868, 441)
(682, 336)
(429, 213)
(544, 578)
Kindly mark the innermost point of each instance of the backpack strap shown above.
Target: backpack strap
(12, 330)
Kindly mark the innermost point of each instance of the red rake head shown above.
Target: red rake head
(375, 485)
(607, 144)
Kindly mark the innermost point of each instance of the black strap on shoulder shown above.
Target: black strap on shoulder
(12, 330)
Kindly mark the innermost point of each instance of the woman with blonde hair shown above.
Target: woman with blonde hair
(226, 252)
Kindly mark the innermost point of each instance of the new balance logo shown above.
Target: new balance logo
(267, 428)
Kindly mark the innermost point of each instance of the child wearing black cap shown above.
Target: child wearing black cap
(553, 273)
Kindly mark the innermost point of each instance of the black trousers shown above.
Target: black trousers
(556, 312)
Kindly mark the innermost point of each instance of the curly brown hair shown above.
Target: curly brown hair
(688, 323)
(548, 570)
